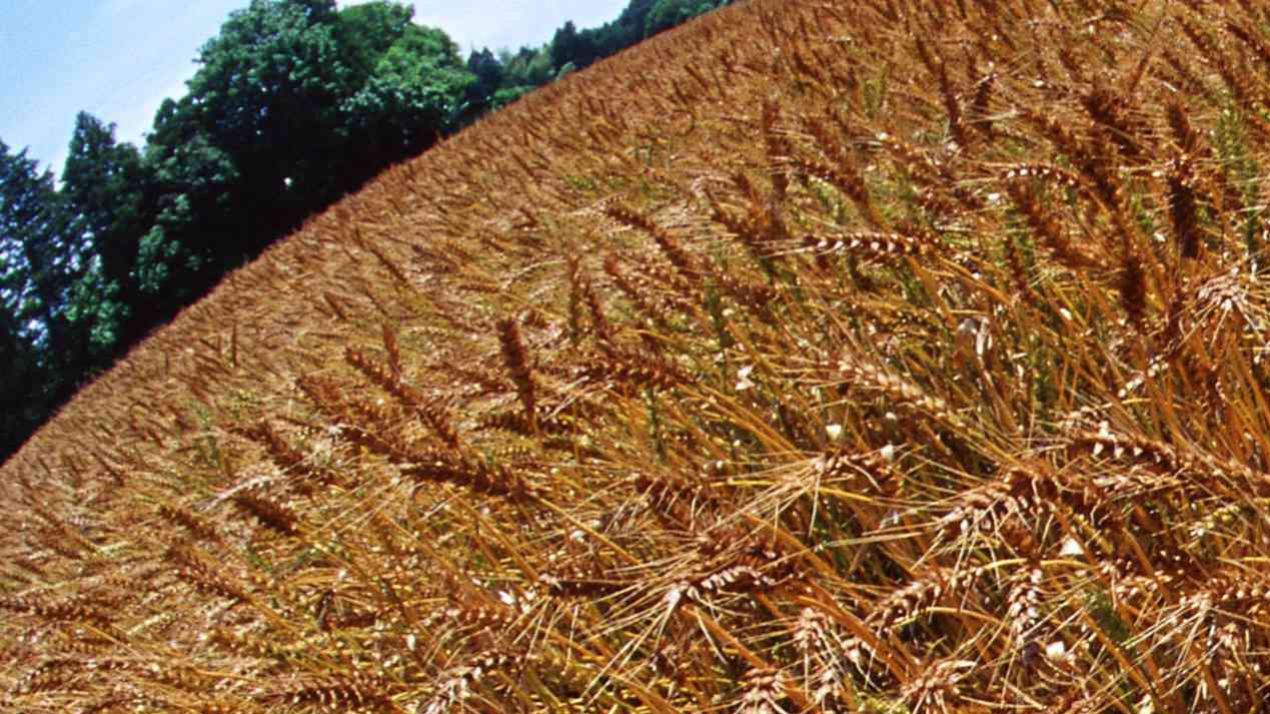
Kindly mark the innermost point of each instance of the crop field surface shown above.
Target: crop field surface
(886, 356)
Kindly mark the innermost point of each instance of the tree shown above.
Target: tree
(110, 193)
(632, 24)
(39, 259)
(414, 95)
(25, 404)
(40, 256)
(528, 68)
(268, 94)
(257, 143)
(487, 73)
(569, 46)
(670, 13)
(295, 103)
(368, 30)
(564, 45)
(202, 216)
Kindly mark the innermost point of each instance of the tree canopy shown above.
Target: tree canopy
(39, 259)
(414, 92)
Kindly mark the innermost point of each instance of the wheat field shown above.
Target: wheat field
(889, 356)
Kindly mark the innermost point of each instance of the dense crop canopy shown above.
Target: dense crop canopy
(879, 356)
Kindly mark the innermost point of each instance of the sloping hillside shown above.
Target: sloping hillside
(839, 357)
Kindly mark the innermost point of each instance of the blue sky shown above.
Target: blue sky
(118, 59)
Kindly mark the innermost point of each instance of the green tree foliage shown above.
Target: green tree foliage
(638, 20)
(487, 78)
(110, 191)
(368, 30)
(528, 68)
(295, 103)
(38, 262)
(629, 28)
(268, 94)
(669, 13)
(40, 256)
(569, 46)
(203, 215)
(415, 92)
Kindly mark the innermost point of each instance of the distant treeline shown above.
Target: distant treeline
(295, 104)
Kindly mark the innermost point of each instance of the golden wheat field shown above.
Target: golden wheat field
(887, 356)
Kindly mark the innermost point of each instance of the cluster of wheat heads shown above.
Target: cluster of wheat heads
(817, 357)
